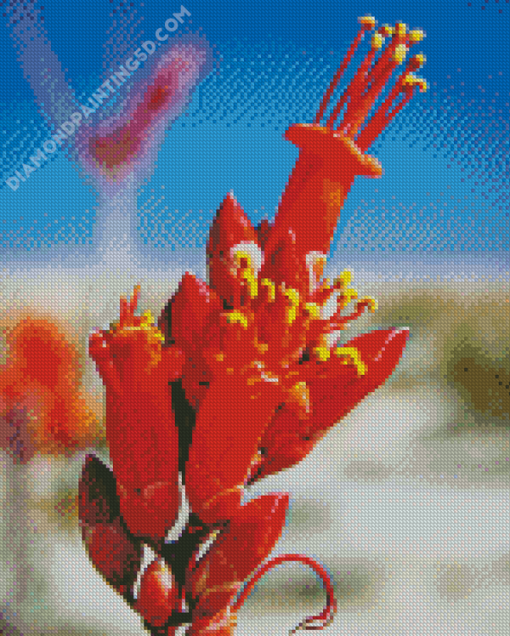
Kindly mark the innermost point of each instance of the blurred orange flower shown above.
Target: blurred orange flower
(40, 399)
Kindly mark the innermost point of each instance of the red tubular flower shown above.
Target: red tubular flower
(140, 424)
(330, 157)
(262, 372)
(272, 327)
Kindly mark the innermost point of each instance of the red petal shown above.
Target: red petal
(334, 395)
(286, 442)
(189, 312)
(158, 596)
(335, 389)
(230, 227)
(113, 551)
(229, 424)
(115, 554)
(150, 512)
(285, 265)
(144, 446)
(237, 552)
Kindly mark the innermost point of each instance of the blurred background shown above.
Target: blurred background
(407, 500)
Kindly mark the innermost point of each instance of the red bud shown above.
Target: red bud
(158, 596)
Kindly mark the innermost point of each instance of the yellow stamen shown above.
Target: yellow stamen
(400, 29)
(367, 21)
(147, 319)
(323, 353)
(386, 30)
(237, 317)
(419, 59)
(353, 357)
(344, 280)
(422, 83)
(293, 296)
(247, 273)
(346, 296)
(416, 35)
(400, 53)
(271, 289)
(370, 302)
(413, 80)
(313, 310)
(377, 41)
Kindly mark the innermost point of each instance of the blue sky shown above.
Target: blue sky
(445, 188)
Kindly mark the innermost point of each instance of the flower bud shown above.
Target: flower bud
(158, 596)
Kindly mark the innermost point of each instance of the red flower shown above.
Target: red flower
(257, 369)
(140, 423)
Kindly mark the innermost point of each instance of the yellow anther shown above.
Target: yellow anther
(347, 295)
(219, 357)
(400, 29)
(251, 281)
(422, 83)
(370, 302)
(237, 317)
(313, 310)
(413, 80)
(353, 357)
(323, 353)
(240, 255)
(247, 272)
(344, 280)
(293, 296)
(377, 41)
(386, 30)
(400, 53)
(147, 319)
(419, 60)
(416, 35)
(158, 335)
(367, 21)
(271, 289)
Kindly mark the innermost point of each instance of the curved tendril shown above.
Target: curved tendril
(325, 617)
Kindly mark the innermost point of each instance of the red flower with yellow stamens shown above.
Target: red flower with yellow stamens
(250, 364)
(262, 337)
(140, 424)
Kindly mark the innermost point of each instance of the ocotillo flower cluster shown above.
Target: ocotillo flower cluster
(240, 378)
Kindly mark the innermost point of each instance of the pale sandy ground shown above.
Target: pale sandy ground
(413, 521)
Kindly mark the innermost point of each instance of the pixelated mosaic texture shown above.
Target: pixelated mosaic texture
(406, 502)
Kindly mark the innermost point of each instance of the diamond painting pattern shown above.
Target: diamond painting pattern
(212, 453)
